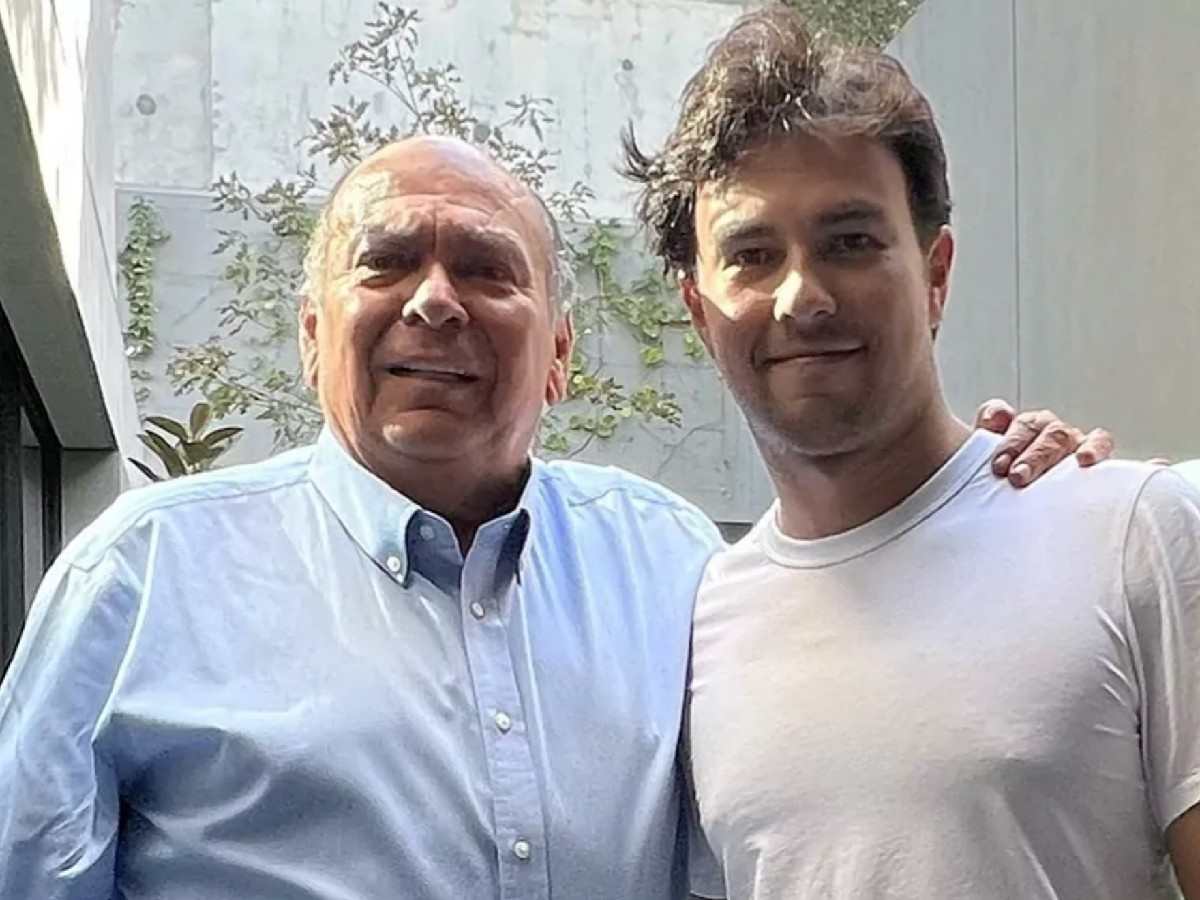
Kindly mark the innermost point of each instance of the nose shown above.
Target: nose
(435, 302)
(801, 297)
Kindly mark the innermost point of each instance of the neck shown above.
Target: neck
(464, 492)
(821, 496)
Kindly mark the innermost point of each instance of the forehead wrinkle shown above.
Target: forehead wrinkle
(492, 197)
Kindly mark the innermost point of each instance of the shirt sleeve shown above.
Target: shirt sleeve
(705, 876)
(1161, 567)
(59, 805)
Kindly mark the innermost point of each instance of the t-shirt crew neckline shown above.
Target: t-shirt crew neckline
(975, 452)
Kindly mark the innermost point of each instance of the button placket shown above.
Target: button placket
(516, 796)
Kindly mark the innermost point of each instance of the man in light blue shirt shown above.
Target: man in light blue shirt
(406, 662)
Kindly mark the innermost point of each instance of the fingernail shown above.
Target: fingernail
(1021, 472)
(1001, 464)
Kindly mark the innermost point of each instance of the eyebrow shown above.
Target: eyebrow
(854, 212)
(740, 232)
(470, 240)
(491, 243)
(377, 239)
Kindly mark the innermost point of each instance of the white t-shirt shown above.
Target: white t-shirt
(983, 693)
(1190, 469)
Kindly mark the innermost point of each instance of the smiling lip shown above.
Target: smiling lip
(816, 356)
(432, 372)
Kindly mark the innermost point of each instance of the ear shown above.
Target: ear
(564, 343)
(939, 261)
(689, 290)
(307, 336)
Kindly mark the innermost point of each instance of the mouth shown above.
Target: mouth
(816, 357)
(446, 374)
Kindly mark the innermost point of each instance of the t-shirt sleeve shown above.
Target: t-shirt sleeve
(704, 870)
(705, 875)
(59, 798)
(1161, 570)
(1190, 470)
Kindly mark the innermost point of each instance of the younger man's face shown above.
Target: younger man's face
(815, 296)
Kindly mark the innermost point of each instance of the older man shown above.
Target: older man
(409, 661)
(873, 713)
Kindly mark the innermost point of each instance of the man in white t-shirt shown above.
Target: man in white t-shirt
(909, 680)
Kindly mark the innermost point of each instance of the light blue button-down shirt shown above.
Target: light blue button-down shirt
(284, 681)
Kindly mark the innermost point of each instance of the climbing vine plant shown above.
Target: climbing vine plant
(135, 264)
(242, 367)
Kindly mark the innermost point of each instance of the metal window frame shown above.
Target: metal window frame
(18, 394)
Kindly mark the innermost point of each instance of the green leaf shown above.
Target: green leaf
(146, 470)
(165, 452)
(196, 453)
(201, 413)
(170, 426)
(221, 434)
(653, 356)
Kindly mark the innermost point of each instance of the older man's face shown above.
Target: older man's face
(436, 338)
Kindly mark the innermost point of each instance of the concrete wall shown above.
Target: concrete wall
(204, 88)
(57, 238)
(1071, 130)
(232, 84)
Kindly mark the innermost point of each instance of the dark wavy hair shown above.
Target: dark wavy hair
(768, 77)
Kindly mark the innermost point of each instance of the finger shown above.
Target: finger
(1021, 433)
(994, 415)
(1053, 444)
(1097, 446)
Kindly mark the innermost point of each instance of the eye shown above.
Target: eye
(851, 244)
(386, 262)
(752, 257)
(483, 270)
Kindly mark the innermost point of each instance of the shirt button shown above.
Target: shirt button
(394, 565)
(503, 722)
(426, 531)
(522, 850)
(477, 610)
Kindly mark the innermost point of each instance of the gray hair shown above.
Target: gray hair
(562, 283)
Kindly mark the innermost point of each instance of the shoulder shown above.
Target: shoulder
(585, 489)
(1165, 512)
(1110, 489)
(181, 499)
(1189, 470)
(747, 558)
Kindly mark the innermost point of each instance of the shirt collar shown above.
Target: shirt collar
(379, 518)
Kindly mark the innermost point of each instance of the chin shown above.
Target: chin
(814, 429)
(428, 437)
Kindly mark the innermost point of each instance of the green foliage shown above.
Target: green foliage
(184, 449)
(135, 264)
(647, 309)
(237, 370)
(873, 22)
